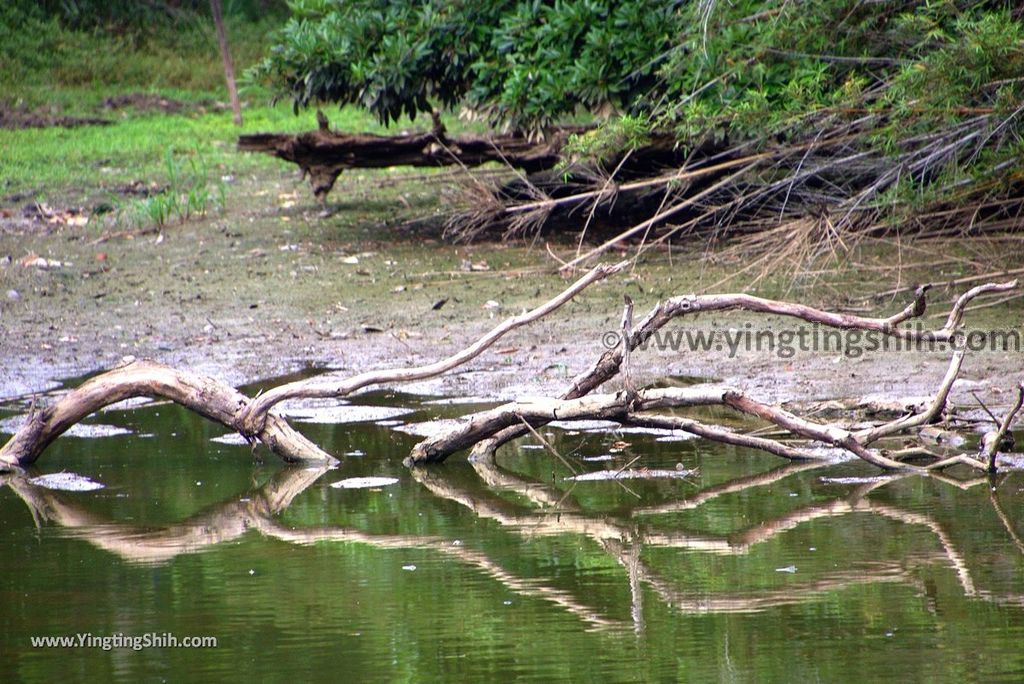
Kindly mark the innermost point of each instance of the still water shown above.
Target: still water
(744, 569)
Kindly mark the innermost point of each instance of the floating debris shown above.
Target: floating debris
(430, 428)
(631, 474)
(936, 435)
(676, 437)
(854, 480)
(81, 430)
(584, 425)
(663, 434)
(364, 482)
(344, 414)
(833, 454)
(453, 401)
(1011, 461)
(93, 431)
(232, 438)
(66, 482)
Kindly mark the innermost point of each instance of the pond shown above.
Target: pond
(733, 567)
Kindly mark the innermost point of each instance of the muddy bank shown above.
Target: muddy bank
(272, 287)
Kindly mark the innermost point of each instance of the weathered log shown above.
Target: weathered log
(227, 406)
(323, 155)
(206, 396)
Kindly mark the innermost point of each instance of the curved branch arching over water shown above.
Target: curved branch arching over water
(483, 432)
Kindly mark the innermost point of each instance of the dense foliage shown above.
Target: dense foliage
(529, 63)
(907, 103)
(47, 46)
(524, 64)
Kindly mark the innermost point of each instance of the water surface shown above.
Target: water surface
(747, 569)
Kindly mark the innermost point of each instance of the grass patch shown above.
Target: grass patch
(75, 164)
(43, 62)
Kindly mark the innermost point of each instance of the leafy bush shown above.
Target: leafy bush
(523, 64)
(870, 110)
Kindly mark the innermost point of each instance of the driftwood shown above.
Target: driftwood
(485, 431)
(206, 396)
(610, 363)
(323, 155)
(227, 406)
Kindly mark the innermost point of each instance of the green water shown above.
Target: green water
(748, 570)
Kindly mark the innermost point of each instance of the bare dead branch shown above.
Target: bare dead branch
(253, 415)
(628, 410)
(994, 441)
(206, 396)
(610, 363)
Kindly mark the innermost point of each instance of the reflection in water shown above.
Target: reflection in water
(546, 510)
(503, 570)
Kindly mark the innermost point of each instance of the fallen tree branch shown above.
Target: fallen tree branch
(206, 396)
(254, 413)
(488, 430)
(993, 441)
(627, 410)
(609, 364)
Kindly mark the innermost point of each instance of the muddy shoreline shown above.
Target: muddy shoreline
(274, 287)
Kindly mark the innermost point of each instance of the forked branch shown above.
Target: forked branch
(486, 431)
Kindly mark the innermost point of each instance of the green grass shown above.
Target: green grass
(48, 68)
(43, 62)
(52, 163)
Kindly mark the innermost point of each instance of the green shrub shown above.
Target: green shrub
(523, 65)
